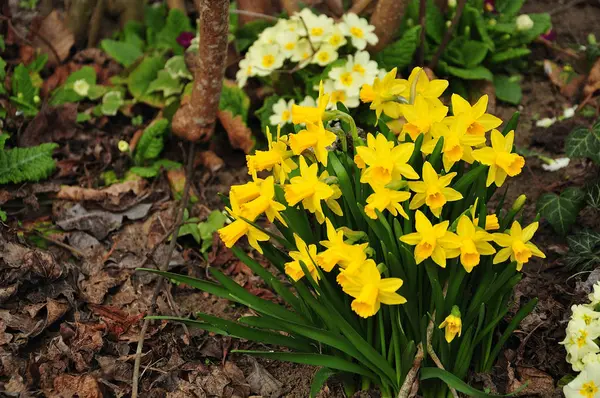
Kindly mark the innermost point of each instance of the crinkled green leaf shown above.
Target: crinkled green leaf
(123, 52)
(401, 52)
(154, 169)
(151, 142)
(177, 22)
(65, 93)
(561, 211)
(435, 24)
(509, 8)
(26, 164)
(234, 100)
(22, 86)
(509, 55)
(141, 77)
(166, 84)
(206, 229)
(177, 68)
(477, 73)
(111, 102)
(508, 89)
(474, 52)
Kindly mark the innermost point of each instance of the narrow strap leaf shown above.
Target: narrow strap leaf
(454, 382)
(319, 379)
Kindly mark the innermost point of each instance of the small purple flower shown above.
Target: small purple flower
(550, 35)
(185, 39)
(489, 5)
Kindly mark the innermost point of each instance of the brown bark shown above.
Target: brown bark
(290, 6)
(387, 18)
(78, 18)
(196, 120)
(255, 6)
(177, 4)
(359, 6)
(336, 7)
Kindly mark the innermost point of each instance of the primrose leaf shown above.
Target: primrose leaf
(125, 53)
(561, 211)
(508, 89)
(111, 102)
(477, 73)
(509, 55)
(177, 68)
(509, 8)
(584, 143)
(2, 72)
(206, 229)
(166, 83)
(140, 78)
(22, 85)
(234, 100)
(65, 93)
(177, 22)
(434, 22)
(541, 24)
(400, 53)
(474, 52)
(265, 112)
(154, 169)
(151, 142)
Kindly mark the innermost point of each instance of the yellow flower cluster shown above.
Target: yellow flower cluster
(300, 178)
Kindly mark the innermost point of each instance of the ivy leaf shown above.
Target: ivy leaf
(584, 143)
(166, 84)
(176, 23)
(592, 195)
(151, 142)
(477, 73)
(400, 53)
(234, 100)
(584, 250)
(27, 164)
(111, 102)
(561, 211)
(123, 52)
(508, 89)
(177, 68)
(509, 55)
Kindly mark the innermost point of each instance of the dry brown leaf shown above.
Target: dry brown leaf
(593, 80)
(539, 383)
(240, 136)
(55, 32)
(112, 193)
(209, 160)
(81, 386)
(569, 84)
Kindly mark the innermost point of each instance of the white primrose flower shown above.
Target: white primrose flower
(265, 58)
(336, 38)
(318, 26)
(545, 122)
(587, 315)
(556, 164)
(569, 112)
(524, 22)
(268, 36)
(308, 101)
(362, 64)
(245, 71)
(345, 78)
(282, 112)
(586, 384)
(81, 87)
(302, 52)
(288, 41)
(359, 31)
(579, 342)
(349, 101)
(325, 55)
(595, 295)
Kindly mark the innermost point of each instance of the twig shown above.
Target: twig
(565, 7)
(448, 35)
(552, 46)
(164, 267)
(254, 14)
(422, 14)
(73, 250)
(42, 38)
(359, 6)
(411, 376)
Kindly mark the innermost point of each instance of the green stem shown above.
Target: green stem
(344, 117)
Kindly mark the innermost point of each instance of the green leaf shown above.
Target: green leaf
(435, 23)
(26, 164)
(401, 52)
(474, 52)
(508, 89)
(561, 211)
(247, 34)
(140, 78)
(123, 52)
(541, 24)
(177, 68)
(584, 251)
(509, 8)
(234, 100)
(177, 22)
(22, 86)
(509, 55)
(151, 142)
(265, 112)
(453, 381)
(477, 73)
(2, 215)
(111, 102)
(206, 229)
(319, 380)
(2, 72)
(154, 169)
(312, 359)
(166, 84)
(65, 93)
(584, 143)
(592, 195)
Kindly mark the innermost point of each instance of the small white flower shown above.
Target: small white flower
(569, 112)
(350, 101)
(336, 38)
(288, 41)
(266, 58)
(557, 164)
(282, 112)
(81, 87)
(302, 52)
(346, 79)
(595, 295)
(545, 122)
(586, 384)
(268, 36)
(308, 101)
(359, 31)
(362, 64)
(245, 71)
(325, 55)
(579, 342)
(524, 22)
(318, 26)
(586, 315)
(123, 146)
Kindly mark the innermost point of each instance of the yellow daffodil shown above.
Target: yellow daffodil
(452, 324)
(385, 161)
(264, 203)
(516, 245)
(433, 190)
(231, 233)
(473, 243)
(305, 254)
(457, 144)
(386, 199)
(339, 252)
(382, 95)
(309, 114)
(276, 159)
(370, 290)
(430, 240)
(430, 90)
(314, 136)
(244, 193)
(500, 159)
(309, 189)
(478, 122)
(491, 222)
(420, 116)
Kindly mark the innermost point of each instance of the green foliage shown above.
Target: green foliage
(561, 210)
(2, 215)
(584, 143)
(177, 22)
(508, 89)
(25, 164)
(247, 34)
(111, 102)
(265, 112)
(151, 142)
(202, 232)
(123, 52)
(140, 78)
(234, 100)
(66, 93)
(153, 170)
(400, 53)
(584, 250)
(24, 94)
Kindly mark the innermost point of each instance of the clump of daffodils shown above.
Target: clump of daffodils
(386, 238)
(583, 347)
(306, 39)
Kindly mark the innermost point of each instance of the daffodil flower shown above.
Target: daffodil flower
(383, 93)
(309, 189)
(491, 222)
(478, 121)
(385, 161)
(314, 136)
(264, 203)
(420, 116)
(309, 114)
(430, 90)
(276, 159)
(472, 244)
(430, 240)
(305, 254)
(433, 190)
(452, 324)
(386, 199)
(502, 162)
(231, 233)
(516, 245)
(338, 251)
(370, 290)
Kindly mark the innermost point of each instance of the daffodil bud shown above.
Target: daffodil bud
(81, 87)
(352, 236)
(492, 22)
(396, 185)
(452, 324)
(519, 203)
(592, 39)
(410, 23)
(123, 146)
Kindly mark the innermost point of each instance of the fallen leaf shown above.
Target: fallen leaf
(209, 160)
(96, 286)
(80, 386)
(98, 223)
(57, 35)
(51, 124)
(113, 194)
(593, 80)
(117, 320)
(538, 383)
(115, 369)
(569, 83)
(240, 136)
(176, 179)
(262, 382)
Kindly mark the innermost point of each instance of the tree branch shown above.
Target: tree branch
(448, 35)
(387, 18)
